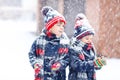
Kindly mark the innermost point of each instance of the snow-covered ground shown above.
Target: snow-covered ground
(110, 71)
(16, 38)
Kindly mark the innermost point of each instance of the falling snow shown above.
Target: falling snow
(15, 42)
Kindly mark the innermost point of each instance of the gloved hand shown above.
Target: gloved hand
(37, 68)
(103, 60)
(55, 66)
(99, 62)
(37, 78)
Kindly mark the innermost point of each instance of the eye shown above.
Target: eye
(87, 38)
(58, 25)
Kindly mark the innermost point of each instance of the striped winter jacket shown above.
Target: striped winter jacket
(81, 62)
(48, 50)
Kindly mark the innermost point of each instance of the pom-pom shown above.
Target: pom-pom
(80, 16)
(45, 10)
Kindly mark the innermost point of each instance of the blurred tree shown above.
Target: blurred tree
(105, 18)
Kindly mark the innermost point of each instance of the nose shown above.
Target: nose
(89, 40)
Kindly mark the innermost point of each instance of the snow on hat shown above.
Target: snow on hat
(51, 17)
(82, 27)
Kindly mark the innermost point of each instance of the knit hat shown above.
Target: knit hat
(51, 17)
(82, 27)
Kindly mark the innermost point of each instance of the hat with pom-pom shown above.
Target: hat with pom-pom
(82, 27)
(51, 17)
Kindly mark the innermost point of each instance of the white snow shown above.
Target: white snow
(110, 71)
(16, 38)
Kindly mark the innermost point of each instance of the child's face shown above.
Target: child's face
(87, 39)
(57, 29)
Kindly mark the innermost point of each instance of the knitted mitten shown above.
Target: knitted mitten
(37, 78)
(37, 68)
(99, 62)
